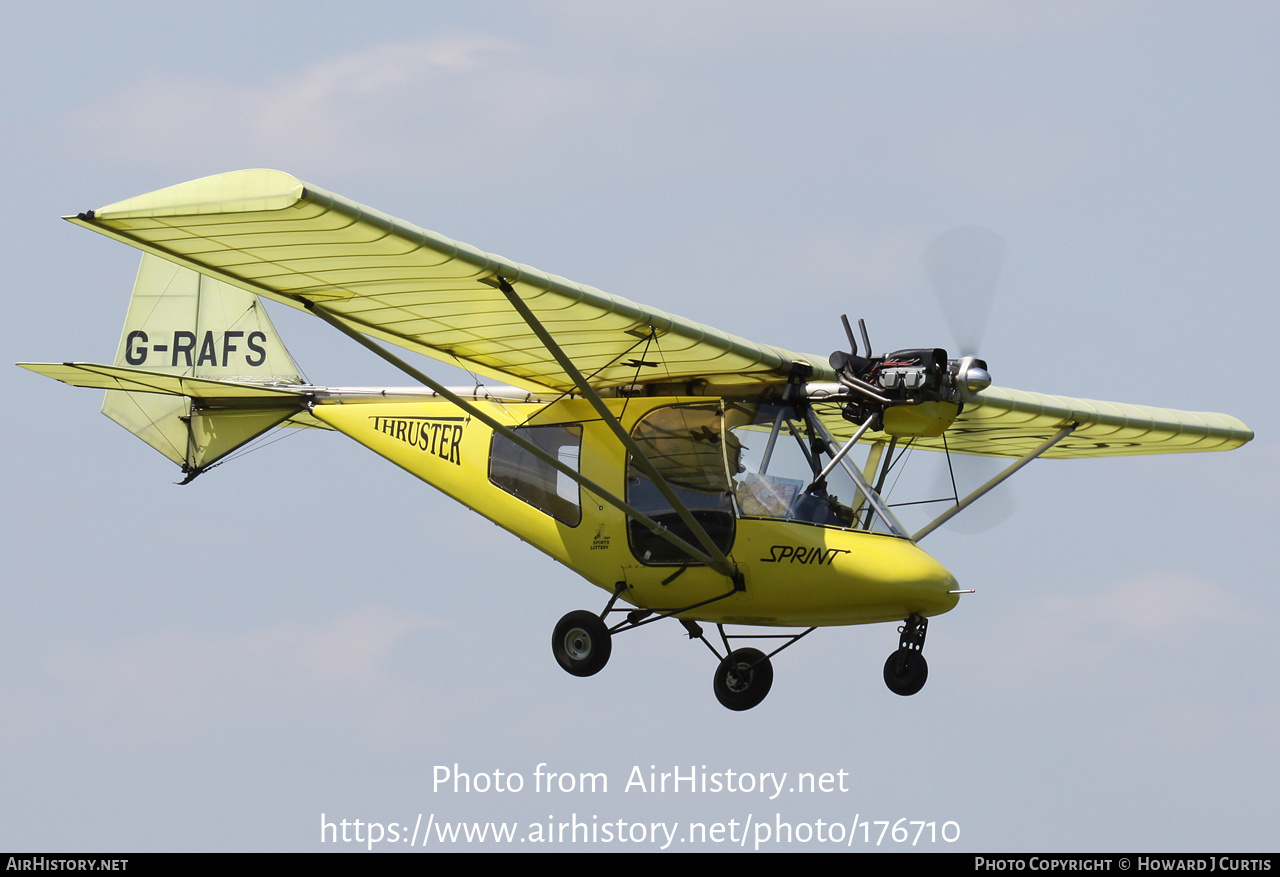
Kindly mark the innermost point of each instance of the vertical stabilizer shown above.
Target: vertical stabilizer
(184, 323)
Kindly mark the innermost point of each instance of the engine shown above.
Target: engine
(915, 392)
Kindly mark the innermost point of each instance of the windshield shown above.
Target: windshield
(784, 471)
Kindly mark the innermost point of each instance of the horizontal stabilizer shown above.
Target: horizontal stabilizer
(211, 418)
(137, 380)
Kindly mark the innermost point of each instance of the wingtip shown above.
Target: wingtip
(251, 190)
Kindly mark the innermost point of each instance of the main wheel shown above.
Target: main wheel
(743, 679)
(581, 643)
(906, 672)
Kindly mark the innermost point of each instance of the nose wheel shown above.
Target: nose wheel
(906, 670)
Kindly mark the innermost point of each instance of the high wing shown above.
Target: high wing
(272, 234)
(999, 422)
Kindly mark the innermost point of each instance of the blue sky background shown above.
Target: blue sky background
(309, 631)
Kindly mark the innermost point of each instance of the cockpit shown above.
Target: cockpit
(728, 460)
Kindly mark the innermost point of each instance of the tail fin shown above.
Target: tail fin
(184, 324)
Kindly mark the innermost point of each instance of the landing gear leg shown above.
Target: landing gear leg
(906, 670)
(743, 676)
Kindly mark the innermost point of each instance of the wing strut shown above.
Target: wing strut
(986, 488)
(519, 440)
(720, 563)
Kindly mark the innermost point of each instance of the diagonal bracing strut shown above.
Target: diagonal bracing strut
(444, 392)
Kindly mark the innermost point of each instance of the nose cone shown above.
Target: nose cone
(912, 581)
(930, 587)
(977, 379)
(887, 579)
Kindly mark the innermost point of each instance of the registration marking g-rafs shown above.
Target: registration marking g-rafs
(800, 554)
(137, 348)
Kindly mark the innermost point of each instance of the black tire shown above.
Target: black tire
(743, 679)
(581, 643)
(905, 672)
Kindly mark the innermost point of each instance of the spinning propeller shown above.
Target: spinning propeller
(963, 265)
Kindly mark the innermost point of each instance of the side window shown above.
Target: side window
(523, 475)
(685, 444)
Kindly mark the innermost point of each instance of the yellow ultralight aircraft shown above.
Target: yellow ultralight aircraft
(691, 474)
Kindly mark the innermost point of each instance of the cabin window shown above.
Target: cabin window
(685, 444)
(535, 481)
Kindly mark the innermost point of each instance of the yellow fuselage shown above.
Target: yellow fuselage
(794, 574)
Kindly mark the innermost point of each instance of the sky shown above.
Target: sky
(308, 635)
